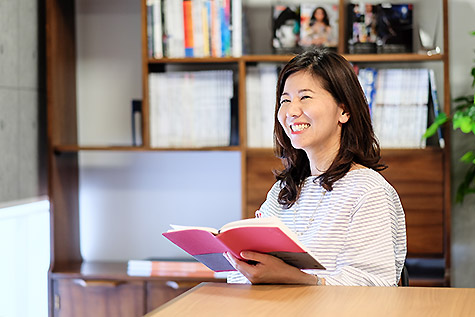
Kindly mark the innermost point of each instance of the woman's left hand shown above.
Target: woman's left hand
(269, 269)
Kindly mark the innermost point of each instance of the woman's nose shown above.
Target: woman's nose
(293, 109)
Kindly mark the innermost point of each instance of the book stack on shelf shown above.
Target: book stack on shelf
(260, 99)
(190, 109)
(198, 28)
(400, 102)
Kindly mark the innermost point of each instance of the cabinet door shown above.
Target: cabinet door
(80, 297)
(160, 292)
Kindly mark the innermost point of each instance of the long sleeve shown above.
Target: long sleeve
(374, 249)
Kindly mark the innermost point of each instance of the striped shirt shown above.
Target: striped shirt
(358, 233)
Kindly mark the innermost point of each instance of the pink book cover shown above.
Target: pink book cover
(208, 247)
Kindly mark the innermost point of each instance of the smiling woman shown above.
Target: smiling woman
(311, 118)
(330, 192)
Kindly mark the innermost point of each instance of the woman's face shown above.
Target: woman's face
(319, 15)
(309, 114)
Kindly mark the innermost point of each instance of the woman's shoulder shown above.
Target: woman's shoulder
(364, 179)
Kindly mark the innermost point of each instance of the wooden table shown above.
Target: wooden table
(214, 299)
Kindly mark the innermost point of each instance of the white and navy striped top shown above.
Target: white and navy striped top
(358, 232)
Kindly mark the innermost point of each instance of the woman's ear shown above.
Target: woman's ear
(345, 115)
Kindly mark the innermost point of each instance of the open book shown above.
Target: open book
(265, 235)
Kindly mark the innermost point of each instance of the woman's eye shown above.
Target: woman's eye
(305, 97)
(284, 101)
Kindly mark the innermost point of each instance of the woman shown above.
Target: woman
(330, 192)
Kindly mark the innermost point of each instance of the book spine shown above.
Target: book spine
(188, 27)
(196, 8)
(157, 29)
(150, 35)
(207, 28)
(236, 34)
(435, 105)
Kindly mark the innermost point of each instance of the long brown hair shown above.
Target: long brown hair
(358, 143)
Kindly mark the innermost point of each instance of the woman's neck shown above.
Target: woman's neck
(320, 162)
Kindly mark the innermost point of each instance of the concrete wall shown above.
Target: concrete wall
(22, 112)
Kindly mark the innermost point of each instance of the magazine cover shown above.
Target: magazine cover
(362, 22)
(394, 28)
(286, 28)
(318, 25)
(380, 28)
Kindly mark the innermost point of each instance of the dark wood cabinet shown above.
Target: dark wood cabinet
(100, 298)
(105, 289)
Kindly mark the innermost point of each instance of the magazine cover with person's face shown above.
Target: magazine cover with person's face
(318, 25)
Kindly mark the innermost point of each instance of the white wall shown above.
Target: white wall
(128, 199)
(25, 255)
(462, 59)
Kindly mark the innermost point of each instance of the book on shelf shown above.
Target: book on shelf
(318, 25)
(188, 28)
(434, 108)
(136, 122)
(379, 28)
(260, 104)
(170, 267)
(150, 28)
(265, 235)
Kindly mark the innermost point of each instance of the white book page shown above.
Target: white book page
(181, 228)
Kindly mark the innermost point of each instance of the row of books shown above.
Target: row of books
(371, 28)
(190, 109)
(402, 103)
(194, 28)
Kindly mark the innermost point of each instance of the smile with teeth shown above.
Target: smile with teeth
(299, 127)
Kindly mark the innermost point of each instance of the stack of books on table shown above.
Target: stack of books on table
(158, 267)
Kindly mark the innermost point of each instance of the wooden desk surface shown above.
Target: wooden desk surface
(214, 299)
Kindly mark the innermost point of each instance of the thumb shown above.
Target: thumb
(252, 256)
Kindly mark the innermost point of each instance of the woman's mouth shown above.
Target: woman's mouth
(298, 127)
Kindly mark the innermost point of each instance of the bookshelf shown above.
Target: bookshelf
(421, 176)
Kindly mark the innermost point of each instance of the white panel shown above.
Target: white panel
(128, 199)
(25, 250)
